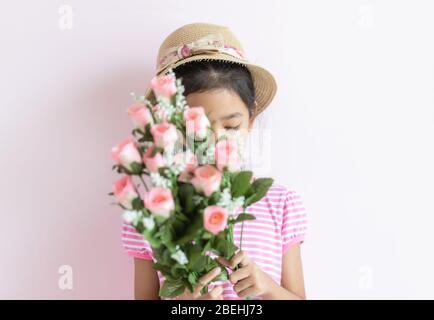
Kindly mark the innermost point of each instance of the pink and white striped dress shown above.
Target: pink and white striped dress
(280, 223)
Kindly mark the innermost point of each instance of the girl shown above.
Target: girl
(217, 76)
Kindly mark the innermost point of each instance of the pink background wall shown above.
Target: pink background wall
(354, 109)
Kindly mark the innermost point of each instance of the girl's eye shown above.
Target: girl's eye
(232, 128)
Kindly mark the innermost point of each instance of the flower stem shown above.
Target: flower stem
(241, 245)
(144, 184)
(241, 236)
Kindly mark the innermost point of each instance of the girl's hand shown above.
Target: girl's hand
(214, 294)
(249, 279)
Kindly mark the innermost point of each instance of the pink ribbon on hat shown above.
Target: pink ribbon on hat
(210, 44)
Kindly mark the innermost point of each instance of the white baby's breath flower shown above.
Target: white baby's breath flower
(230, 204)
(159, 181)
(149, 222)
(180, 257)
(147, 144)
(197, 199)
(209, 154)
(131, 216)
(166, 109)
(225, 198)
(237, 203)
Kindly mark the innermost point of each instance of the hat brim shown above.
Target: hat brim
(263, 81)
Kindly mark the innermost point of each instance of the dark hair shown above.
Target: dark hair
(205, 75)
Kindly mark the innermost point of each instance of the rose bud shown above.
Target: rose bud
(215, 219)
(206, 179)
(226, 155)
(125, 191)
(164, 86)
(165, 135)
(159, 201)
(153, 163)
(126, 153)
(140, 115)
(196, 122)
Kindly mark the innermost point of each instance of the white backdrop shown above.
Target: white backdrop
(352, 128)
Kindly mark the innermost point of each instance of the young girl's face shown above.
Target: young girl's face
(226, 111)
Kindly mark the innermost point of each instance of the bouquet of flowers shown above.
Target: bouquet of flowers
(195, 184)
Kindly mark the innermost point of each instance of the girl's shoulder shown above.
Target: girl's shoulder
(280, 191)
(288, 205)
(281, 200)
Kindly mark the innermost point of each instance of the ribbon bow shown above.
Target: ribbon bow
(210, 44)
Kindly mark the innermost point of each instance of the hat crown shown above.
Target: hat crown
(192, 32)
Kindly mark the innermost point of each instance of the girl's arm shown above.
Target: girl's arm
(146, 283)
(292, 277)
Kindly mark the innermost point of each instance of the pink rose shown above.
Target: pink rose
(226, 155)
(159, 201)
(206, 179)
(197, 122)
(164, 134)
(126, 152)
(215, 219)
(164, 86)
(153, 162)
(125, 191)
(140, 115)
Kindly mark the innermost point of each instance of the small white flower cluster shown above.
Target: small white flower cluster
(181, 103)
(138, 98)
(180, 164)
(135, 216)
(209, 156)
(159, 181)
(231, 204)
(149, 222)
(166, 108)
(147, 144)
(197, 199)
(179, 256)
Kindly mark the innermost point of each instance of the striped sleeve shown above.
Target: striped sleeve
(294, 220)
(134, 243)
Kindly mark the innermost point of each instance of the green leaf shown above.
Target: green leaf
(244, 216)
(177, 270)
(196, 260)
(167, 234)
(155, 243)
(214, 198)
(136, 168)
(224, 247)
(207, 235)
(192, 230)
(207, 246)
(192, 278)
(172, 288)
(137, 204)
(257, 190)
(155, 151)
(241, 183)
(199, 264)
(186, 193)
(161, 267)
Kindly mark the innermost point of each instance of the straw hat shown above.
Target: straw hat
(204, 41)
